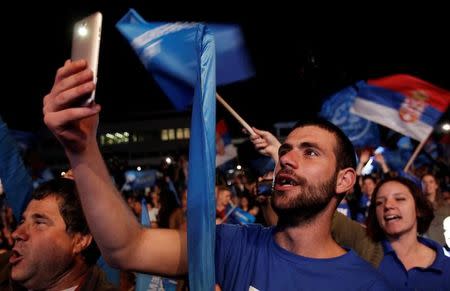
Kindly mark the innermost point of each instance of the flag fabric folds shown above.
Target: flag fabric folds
(167, 51)
(359, 130)
(181, 58)
(403, 103)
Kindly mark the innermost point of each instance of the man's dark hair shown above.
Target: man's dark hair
(344, 151)
(424, 209)
(65, 192)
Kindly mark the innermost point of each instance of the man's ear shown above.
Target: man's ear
(345, 180)
(81, 242)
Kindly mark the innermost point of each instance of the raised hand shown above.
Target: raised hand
(73, 125)
(265, 143)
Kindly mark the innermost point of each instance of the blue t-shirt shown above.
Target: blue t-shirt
(435, 277)
(248, 258)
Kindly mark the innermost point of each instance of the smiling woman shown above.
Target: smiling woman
(398, 212)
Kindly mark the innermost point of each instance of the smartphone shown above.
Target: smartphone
(86, 44)
(264, 187)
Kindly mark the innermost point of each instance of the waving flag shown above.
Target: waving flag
(13, 174)
(225, 150)
(336, 109)
(168, 52)
(135, 180)
(403, 103)
(181, 57)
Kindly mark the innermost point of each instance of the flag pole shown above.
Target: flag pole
(234, 113)
(416, 152)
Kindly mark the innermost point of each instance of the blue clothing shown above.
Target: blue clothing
(248, 256)
(435, 277)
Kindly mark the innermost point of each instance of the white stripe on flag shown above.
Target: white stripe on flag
(390, 117)
(230, 153)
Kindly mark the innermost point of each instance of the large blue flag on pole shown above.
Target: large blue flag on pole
(166, 50)
(181, 57)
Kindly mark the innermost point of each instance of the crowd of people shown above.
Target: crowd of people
(321, 218)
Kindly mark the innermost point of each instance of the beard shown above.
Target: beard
(308, 202)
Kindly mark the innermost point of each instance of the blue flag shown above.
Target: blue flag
(360, 131)
(16, 181)
(168, 52)
(242, 216)
(181, 58)
(135, 180)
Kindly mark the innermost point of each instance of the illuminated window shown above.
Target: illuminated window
(187, 133)
(179, 133)
(171, 134)
(164, 134)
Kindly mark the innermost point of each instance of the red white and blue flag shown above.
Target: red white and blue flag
(403, 103)
(225, 150)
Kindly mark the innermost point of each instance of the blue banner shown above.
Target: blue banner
(135, 180)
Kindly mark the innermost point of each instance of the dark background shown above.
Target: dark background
(301, 55)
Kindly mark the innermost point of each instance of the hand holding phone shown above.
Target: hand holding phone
(86, 44)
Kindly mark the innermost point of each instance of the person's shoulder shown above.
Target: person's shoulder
(442, 209)
(97, 281)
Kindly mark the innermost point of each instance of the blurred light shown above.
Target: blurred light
(231, 171)
(239, 167)
(138, 168)
(63, 173)
(168, 160)
(126, 134)
(119, 135)
(108, 135)
(82, 30)
(446, 126)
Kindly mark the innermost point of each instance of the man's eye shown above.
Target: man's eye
(378, 203)
(311, 153)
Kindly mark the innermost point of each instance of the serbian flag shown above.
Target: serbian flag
(225, 150)
(403, 103)
(360, 131)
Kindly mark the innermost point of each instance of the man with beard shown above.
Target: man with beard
(316, 169)
(53, 247)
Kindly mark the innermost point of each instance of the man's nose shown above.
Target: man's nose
(289, 159)
(20, 233)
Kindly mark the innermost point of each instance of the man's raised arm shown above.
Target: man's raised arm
(123, 241)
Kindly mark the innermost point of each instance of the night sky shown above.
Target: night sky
(300, 58)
